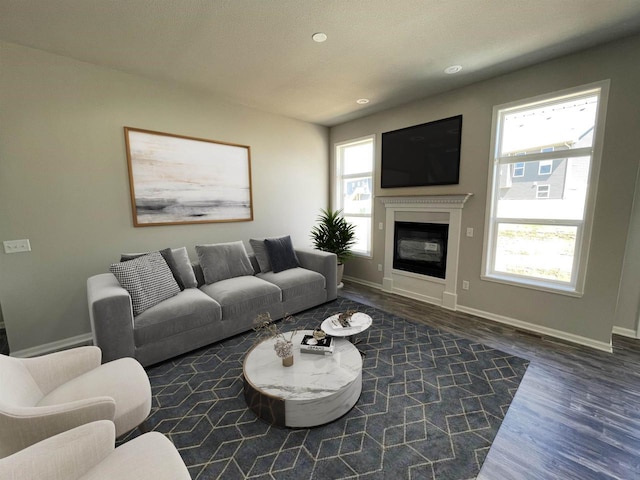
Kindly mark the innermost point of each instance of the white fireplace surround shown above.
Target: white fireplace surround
(444, 209)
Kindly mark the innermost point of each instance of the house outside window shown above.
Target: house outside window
(537, 234)
(518, 169)
(544, 167)
(353, 187)
(542, 191)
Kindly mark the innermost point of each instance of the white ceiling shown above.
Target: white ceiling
(260, 53)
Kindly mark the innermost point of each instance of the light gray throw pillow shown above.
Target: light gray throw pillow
(183, 264)
(223, 260)
(260, 250)
(148, 279)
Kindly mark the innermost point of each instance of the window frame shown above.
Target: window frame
(547, 191)
(545, 163)
(338, 178)
(516, 166)
(575, 287)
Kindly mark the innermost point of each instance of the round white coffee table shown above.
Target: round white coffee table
(315, 390)
(359, 323)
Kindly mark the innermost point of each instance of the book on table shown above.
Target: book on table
(309, 344)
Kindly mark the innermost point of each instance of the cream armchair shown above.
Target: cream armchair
(43, 396)
(87, 452)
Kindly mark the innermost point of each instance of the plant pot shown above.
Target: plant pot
(340, 273)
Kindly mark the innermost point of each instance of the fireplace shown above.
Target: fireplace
(421, 248)
(419, 263)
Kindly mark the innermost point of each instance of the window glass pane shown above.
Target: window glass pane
(565, 197)
(538, 251)
(363, 233)
(561, 126)
(357, 197)
(545, 167)
(357, 158)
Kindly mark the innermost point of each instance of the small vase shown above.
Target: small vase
(287, 361)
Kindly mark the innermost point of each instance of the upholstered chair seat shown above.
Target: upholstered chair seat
(87, 452)
(43, 396)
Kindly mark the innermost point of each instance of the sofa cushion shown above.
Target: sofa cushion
(241, 295)
(188, 310)
(223, 260)
(281, 254)
(260, 251)
(295, 282)
(148, 280)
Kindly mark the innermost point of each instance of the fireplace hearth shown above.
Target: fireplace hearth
(421, 248)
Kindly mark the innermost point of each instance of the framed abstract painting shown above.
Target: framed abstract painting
(176, 179)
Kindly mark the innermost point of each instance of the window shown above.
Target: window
(537, 235)
(353, 189)
(544, 167)
(542, 191)
(518, 169)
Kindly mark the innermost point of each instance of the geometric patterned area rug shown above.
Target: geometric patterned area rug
(431, 405)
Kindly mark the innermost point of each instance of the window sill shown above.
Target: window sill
(569, 291)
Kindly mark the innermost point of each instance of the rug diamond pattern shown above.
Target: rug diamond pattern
(430, 407)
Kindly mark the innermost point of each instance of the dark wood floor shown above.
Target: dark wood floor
(576, 414)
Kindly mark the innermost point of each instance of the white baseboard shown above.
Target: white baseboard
(78, 340)
(551, 332)
(377, 286)
(625, 332)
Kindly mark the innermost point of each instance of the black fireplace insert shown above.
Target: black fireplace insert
(421, 248)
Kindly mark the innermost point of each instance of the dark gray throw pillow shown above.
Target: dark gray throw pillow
(148, 280)
(281, 254)
(223, 260)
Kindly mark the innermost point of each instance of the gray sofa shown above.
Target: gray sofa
(196, 317)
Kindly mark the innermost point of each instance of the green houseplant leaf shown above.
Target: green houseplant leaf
(334, 234)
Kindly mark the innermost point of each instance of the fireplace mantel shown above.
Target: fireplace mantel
(449, 201)
(446, 209)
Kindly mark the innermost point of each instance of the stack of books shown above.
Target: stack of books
(323, 346)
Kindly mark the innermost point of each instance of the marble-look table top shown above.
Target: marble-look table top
(311, 376)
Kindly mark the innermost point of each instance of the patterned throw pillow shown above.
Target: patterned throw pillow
(148, 280)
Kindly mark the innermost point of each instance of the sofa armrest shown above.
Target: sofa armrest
(21, 427)
(111, 316)
(324, 263)
(66, 456)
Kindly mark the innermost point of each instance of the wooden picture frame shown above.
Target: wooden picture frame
(177, 180)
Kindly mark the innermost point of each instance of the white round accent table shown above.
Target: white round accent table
(315, 390)
(359, 323)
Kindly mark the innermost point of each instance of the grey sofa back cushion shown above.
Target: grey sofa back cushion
(223, 260)
(260, 251)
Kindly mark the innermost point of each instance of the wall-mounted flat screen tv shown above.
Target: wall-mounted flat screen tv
(422, 155)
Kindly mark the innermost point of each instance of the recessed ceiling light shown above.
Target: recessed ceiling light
(362, 101)
(319, 37)
(452, 69)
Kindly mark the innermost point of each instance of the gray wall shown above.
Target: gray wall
(591, 316)
(64, 182)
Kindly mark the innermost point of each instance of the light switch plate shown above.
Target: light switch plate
(15, 246)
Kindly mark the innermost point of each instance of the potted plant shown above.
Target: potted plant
(334, 234)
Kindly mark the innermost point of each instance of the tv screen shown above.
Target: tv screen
(426, 154)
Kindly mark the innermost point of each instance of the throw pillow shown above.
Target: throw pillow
(281, 253)
(183, 265)
(168, 256)
(223, 260)
(262, 256)
(148, 279)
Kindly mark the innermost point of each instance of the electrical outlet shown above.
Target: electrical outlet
(465, 285)
(381, 226)
(15, 246)
(379, 267)
(469, 232)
